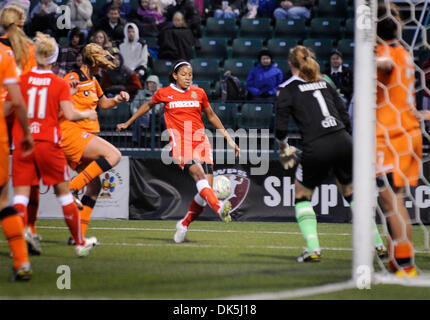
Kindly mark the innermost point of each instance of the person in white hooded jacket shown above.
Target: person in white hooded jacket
(133, 51)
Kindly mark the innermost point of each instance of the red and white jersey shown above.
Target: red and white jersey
(42, 91)
(183, 112)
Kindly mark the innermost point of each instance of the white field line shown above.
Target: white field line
(198, 230)
(297, 293)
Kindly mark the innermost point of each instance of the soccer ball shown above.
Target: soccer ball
(222, 187)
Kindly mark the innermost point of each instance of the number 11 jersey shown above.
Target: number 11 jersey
(43, 91)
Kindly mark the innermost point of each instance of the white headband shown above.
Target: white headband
(180, 64)
(50, 60)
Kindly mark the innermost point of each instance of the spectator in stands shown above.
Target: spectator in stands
(80, 15)
(121, 78)
(164, 4)
(133, 51)
(112, 24)
(294, 9)
(190, 13)
(176, 42)
(341, 75)
(149, 18)
(226, 9)
(264, 79)
(263, 9)
(152, 84)
(68, 54)
(125, 11)
(102, 39)
(44, 18)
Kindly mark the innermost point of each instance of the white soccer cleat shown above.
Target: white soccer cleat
(181, 232)
(33, 243)
(84, 250)
(224, 211)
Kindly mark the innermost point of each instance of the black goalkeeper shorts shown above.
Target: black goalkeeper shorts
(329, 154)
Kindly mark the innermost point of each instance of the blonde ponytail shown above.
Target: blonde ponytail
(94, 56)
(12, 20)
(46, 49)
(303, 59)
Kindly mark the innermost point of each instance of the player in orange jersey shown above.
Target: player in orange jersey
(46, 95)
(12, 20)
(398, 137)
(11, 222)
(191, 149)
(87, 153)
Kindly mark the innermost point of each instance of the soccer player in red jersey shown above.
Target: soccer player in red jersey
(47, 95)
(191, 149)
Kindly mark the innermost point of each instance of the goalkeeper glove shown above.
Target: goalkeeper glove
(288, 156)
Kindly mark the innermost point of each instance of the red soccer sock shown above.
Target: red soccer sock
(208, 194)
(193, 212)
(22, 212)
(13, 229)
(32, 208)
(85, 213)
(72, 218)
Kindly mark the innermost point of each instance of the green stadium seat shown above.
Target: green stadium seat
(205, 85)
(223, 28)
(205, 69)
(162, 69)
(152, 42)
(280, 47)
(239, 67)
(283, 65)
(256, 116)
(255, 28)
(331, 8)
(349, 28)
(226, 112)
(325, 28)
(212, 48)
(290, 28)
(246, 48)
(346, 47)
(109, 118)
(321, 47)
(63, 41)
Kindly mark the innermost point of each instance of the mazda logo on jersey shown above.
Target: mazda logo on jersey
(240, 184)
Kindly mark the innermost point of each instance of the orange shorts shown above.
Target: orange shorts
(4, 161)
(199, 151)
(74, 141)
(400, 156)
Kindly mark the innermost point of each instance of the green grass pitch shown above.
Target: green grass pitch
(139, 260)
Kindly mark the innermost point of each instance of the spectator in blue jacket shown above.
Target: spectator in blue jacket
(264, 79)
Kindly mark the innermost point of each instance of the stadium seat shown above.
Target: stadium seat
(205, 85)
(321, 47)
(349, 28)
(152, 42)
(97, 5)
(226, 112)
(239, 67)
(109, 118)
(255, 28)
(205, 69)
(325, 28)
(212, 48)
(246, 48)
(283, 65)
(331, 8)
(223, 28)
(63, 41)
(162, 69)
(256, 116)
(346, 47)
(294, 28)
(280, 47)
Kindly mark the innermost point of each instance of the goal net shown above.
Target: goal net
(399, 198)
